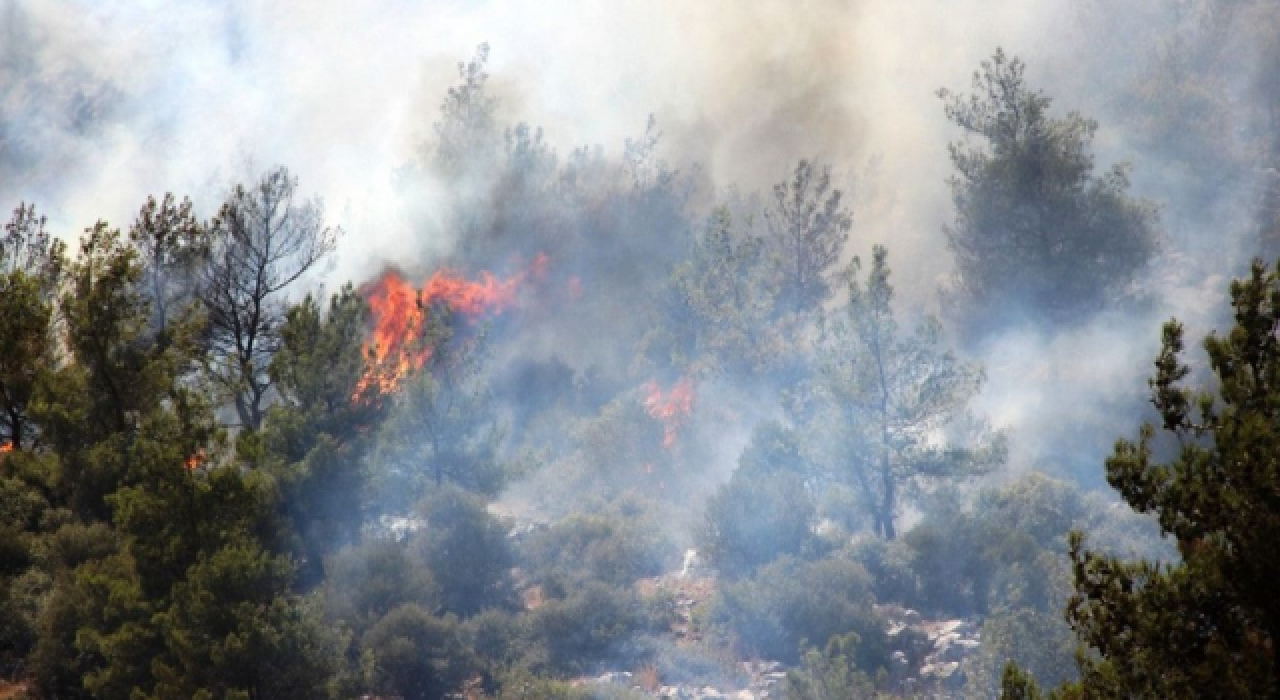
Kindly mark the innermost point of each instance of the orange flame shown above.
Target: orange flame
(6, 447)
(671, 408)
(195, 461)
(397, 318)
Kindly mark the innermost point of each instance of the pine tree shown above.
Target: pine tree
(1035, 228)
(880, 396)
(1207, 626)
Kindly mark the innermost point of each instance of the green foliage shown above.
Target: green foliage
(1035, 229)
(30, 267)
(318, 434)
(1016, 684)
(830, 674)
(365, 582)
(790, 602)
(717, 316)
(418, 656)
(808, 227)
(612, 549)
(615, 455)
(232, 631)
(765, 510)
(595, 622)
(881, 399)
(172, 246)
(1206, 626)
(466, 550)
(1008, 550)
(1036, 642)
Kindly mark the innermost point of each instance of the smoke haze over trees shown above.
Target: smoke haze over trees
(635, 348)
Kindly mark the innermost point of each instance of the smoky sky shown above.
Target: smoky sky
(102, 104)
(106, 103)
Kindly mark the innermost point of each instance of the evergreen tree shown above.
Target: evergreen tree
(880, 398)
(31, 265)
(1035, 228)
(1207, 626)
(718, 315)
(808, 227)
(441, 429)
(318, 436)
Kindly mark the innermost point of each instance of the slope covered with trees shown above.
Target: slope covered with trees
(631, 436)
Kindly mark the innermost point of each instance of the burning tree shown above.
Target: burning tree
(671, 408)
(400, 343)
(442, 426)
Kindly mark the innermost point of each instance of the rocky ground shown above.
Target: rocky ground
(930, 666)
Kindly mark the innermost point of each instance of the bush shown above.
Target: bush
(604, 548)
(790, 603)
(754, 519)
(830, 673)
(466, 550)
(889, 562)
(764, 511)
(497, 636)
(418, 656)
(1038, 642)
(595, 623)
(366, 582)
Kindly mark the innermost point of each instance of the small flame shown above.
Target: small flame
(6, 447)
(397, 313)
(671, 408)
(195, 461)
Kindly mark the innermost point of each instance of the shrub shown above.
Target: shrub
(418, 656)
(791, 603)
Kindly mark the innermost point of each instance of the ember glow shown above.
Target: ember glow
(398, 309)
(195, 461)
(6, 447)
(671, 408)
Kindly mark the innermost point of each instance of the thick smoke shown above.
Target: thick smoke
(102, 105)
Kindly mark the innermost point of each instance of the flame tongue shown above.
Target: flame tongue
(397, 318)
(671, 408)
(6, 447)
(394, 305)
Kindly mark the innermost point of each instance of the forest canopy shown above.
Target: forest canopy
(607, 423)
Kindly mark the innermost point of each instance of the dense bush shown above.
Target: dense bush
(466, 550)
(764, 511)
(790, 603)
(418, 656)
(585, 547)
(366, 582)
(592, 624)
(756, 518)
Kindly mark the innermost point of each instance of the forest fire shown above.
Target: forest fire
(397, 313)
(195, 461)
(6, 447)
(671, 408)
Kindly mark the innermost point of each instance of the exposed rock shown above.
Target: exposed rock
(614, 678)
